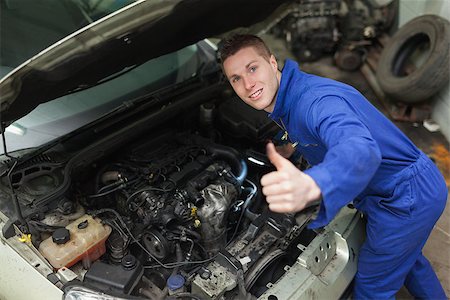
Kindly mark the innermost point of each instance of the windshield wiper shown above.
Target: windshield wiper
(103, 80)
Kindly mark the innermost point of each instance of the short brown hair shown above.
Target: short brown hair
(237, 42)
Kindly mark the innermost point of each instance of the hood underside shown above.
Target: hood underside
(130, 37)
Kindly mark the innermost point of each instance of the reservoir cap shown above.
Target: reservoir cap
(61, 236)
(174, 282)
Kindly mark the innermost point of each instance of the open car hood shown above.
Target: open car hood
(126, 38)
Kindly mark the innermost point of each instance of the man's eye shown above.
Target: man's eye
(252, 69)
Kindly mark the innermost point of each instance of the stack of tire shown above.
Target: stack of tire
(431, 75)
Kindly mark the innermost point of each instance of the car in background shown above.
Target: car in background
(130, 169)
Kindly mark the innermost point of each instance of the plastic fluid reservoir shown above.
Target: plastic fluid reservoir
(84, 239)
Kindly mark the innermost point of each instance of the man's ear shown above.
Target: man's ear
(273, 62)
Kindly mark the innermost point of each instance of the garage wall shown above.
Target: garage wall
(409, 9)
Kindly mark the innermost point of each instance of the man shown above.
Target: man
(357, 155)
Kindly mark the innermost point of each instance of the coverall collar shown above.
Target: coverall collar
(289, 75)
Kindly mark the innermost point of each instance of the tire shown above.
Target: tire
(428, 78)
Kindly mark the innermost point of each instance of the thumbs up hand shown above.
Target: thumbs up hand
(287, 189)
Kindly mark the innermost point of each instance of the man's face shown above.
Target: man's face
(254, 79)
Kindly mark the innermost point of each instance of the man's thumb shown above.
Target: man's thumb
(275, 158)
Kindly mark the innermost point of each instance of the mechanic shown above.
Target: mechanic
(357, 155)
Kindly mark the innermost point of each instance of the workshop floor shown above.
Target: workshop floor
(433, 144)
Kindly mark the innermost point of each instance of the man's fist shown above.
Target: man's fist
(287, 189)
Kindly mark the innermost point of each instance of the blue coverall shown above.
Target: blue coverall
(358, 155)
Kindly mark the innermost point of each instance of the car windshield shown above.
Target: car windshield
(28, 27)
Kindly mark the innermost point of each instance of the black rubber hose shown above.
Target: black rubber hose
(231, 156)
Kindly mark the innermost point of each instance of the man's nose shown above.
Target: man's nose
(249, 83)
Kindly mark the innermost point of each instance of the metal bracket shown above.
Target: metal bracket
(319, 253)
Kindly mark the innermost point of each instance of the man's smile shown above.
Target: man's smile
(256, 94)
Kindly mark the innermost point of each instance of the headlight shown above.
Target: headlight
(82, 293)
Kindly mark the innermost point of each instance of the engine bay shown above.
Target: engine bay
(178, 210)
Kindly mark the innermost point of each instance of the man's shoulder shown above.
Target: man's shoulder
(318, 87)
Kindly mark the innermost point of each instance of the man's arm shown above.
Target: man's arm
(351, 161)
(352, 156)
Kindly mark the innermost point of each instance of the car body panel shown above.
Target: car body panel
(346, 233)
(23, 267)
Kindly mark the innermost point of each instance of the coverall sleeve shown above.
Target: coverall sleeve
(352, 156)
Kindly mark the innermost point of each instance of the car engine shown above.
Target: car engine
(345, 28)
(177, 211)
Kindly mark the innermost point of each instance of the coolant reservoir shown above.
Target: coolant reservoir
(85, 241)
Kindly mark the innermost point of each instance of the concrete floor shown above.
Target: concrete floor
(438, 245)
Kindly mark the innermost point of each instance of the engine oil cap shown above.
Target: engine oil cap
(61, 236)
(175, 282)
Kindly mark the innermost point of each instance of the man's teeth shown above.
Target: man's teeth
(256, 94)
